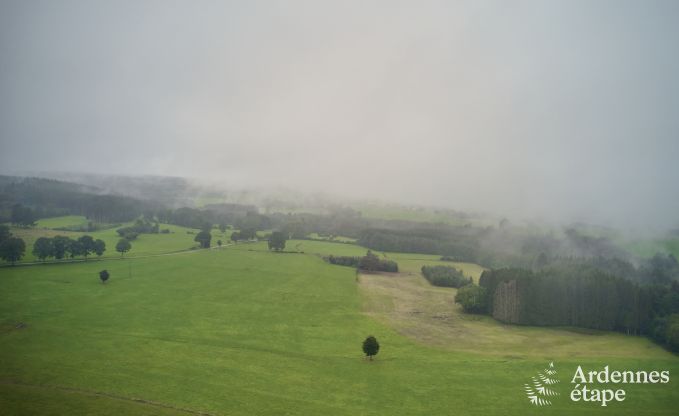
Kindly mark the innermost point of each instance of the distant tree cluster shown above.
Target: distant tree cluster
(456, 245)
(60, 247)
(50, 198)
(348, 261)
(371, 263)
(23, 216)
(244, 235)
(445, 276)
(141, 226)
(12, 248)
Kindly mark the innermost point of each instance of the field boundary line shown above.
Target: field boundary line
(104, 394)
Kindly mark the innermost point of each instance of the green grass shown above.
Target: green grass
(239, 332)
(178, 239)
(61, 222)
(648, 248)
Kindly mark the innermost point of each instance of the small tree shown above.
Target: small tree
(204, 238)
(12, 249)
(219, 243)
(43, 248)
(99, 247)
(277, 241)
(123, 246)
(103, 275)
(371, 347)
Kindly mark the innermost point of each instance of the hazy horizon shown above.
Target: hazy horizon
(539, 109)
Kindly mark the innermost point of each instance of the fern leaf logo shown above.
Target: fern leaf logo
(538, 390)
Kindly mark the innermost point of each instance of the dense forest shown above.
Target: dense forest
(577, 293)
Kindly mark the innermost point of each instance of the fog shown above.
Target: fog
(550, 110)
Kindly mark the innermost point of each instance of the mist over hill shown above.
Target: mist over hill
(531, 110)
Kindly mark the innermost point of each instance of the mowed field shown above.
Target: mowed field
(242, 331)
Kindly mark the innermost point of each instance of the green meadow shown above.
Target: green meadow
(242, 331)
(178, 238)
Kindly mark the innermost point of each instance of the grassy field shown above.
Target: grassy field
(61, 222)
(179, 238)
(648, 248)
(242, 331)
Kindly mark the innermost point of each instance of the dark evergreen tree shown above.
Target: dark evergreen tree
(104, 275)
(371, 347)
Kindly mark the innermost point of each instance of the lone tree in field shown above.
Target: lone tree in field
(204, 238)
(371, 347)
(277, 241)
(123, 246)
(103, 275)
(12, 249)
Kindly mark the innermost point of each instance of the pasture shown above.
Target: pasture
(242, 331)
(178, 239)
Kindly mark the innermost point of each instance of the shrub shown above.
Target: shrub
(473, 298)
(445, 276)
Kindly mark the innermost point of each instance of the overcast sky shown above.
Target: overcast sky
(564, 109)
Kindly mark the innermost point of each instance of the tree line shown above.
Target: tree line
(60, 247)
(369, 263)
(580, 295)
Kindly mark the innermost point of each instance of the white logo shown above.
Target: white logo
(538, 391)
